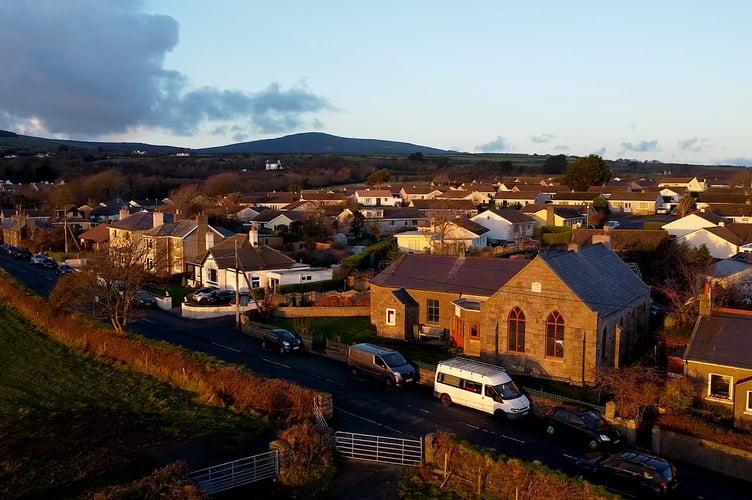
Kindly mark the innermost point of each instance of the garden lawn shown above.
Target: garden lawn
(70, 423)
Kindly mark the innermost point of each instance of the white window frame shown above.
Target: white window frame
(748, 408)
(391, 316)
(730, 388)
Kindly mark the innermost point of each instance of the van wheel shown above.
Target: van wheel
(263, 344)
(281, 350)
(592, 444)
(389, 381)
(446, 400)
(500, 415)
(550, 429)
(354, 371)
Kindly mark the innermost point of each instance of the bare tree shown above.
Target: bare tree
(634, 389)
(108, 283)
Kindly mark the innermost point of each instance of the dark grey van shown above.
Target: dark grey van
(380, 363)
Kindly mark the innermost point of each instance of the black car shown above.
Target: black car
(48, 263)
(282, 340)
(21, 253)
(632, 473)
(144, 299)
(63, 269)
(219, 297)
(582, 424)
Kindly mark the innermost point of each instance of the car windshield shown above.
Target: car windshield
(508, 390)
(593, 420)
(394, 359)
(285, 335)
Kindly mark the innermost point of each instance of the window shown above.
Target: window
(516, 330)
(432, 311)
(474, 331)
(213, 275)
(391, 317)
(555, 335)
(749, 401)
(720, 386)
(149, 243)
(255, 282)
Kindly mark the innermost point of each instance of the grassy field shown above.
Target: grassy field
(70, 424)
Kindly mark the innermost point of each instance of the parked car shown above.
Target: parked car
(201, 296)
(48, 263)
(633, 473)
(282, 340)
(65, 269)
(581, 424)
(37, 259)
(144, 299)
(21, 253)
(219, 297)
(613, 224)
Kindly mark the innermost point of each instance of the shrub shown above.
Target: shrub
(310, 466)
(678, 396)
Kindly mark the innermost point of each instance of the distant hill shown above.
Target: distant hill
(11, 140)
(320, 143)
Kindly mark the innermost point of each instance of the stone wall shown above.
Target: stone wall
(317, 312)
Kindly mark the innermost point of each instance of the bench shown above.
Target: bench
(431, 332)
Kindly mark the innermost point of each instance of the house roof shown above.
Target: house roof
(562, 211)
(508, 214)
(634, 196)
(469, 225)
(373, 193)
(443, 204)
(445, 273)
(270, 215)
(250, 258)
(622, 240)
(400, 213)
(179, 229)
(743, 231)
(721, 232)
(140, 221)
(97, 234)
(597, 276)
(722, 338)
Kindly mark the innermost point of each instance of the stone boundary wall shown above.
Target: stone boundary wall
(319, 312)
(190, 311)
(732, 462)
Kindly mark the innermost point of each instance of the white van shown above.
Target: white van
(485, 387)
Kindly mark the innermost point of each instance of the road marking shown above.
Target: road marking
(275, 363)
(512, 439)
(146, 320)
(332, 381)
(226, 347)
(370, 421)
(569, 457)
(424, 410)
(471, 426)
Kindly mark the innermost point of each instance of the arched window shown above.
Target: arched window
(516, 330)
(555, 335)
(604, 348)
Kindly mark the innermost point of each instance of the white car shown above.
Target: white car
(38, 258)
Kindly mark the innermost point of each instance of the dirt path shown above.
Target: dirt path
(366, 481)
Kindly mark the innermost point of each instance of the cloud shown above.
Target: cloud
(600, 152)
(641, 147)
(739, 161)
(96, 67)
(542, 138)
(693, 144)
(499, 145)
(561, 147)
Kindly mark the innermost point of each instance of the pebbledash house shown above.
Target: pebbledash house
(560, 315)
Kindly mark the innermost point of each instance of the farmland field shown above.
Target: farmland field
(70, 424)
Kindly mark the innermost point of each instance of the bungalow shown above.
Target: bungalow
(505, 224)
(323, 198)
(689, 184)
(718, 359)
(516, 198)
(635, 203)
(454, 235)
(375, 198)
(692, 222)
(441, 208)
(383, 220)
(410, 193)
(241, 259)
(720, 241)
(279, 219)
(556, 215)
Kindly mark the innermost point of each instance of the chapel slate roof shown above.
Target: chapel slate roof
(446, 273)
(722, 338)
(597, 276)
(404, 297)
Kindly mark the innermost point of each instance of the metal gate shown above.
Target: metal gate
(238, 473)
(382, 449)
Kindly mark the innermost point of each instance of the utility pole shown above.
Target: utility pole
(237, 289)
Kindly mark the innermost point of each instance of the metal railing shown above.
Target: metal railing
(563, 399)
(230, 475)
(372, 448)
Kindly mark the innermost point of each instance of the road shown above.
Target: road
(364, 406)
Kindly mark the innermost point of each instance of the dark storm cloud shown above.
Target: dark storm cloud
(498, 145)
(641, 147)
(95, 67)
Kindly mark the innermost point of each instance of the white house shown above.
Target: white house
(692, 222)
(456, 234)
(505, 224)
(375, 198)
(689, 184)
(720, 241)
(635, 203)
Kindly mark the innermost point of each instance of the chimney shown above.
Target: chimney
(123, 213)
(253, 236)
(202, 227)
(706, 300)
(550, 218)
(157, 219)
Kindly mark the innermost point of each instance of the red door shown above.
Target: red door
(458, 332)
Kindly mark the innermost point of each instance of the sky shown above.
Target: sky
(661, 80)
